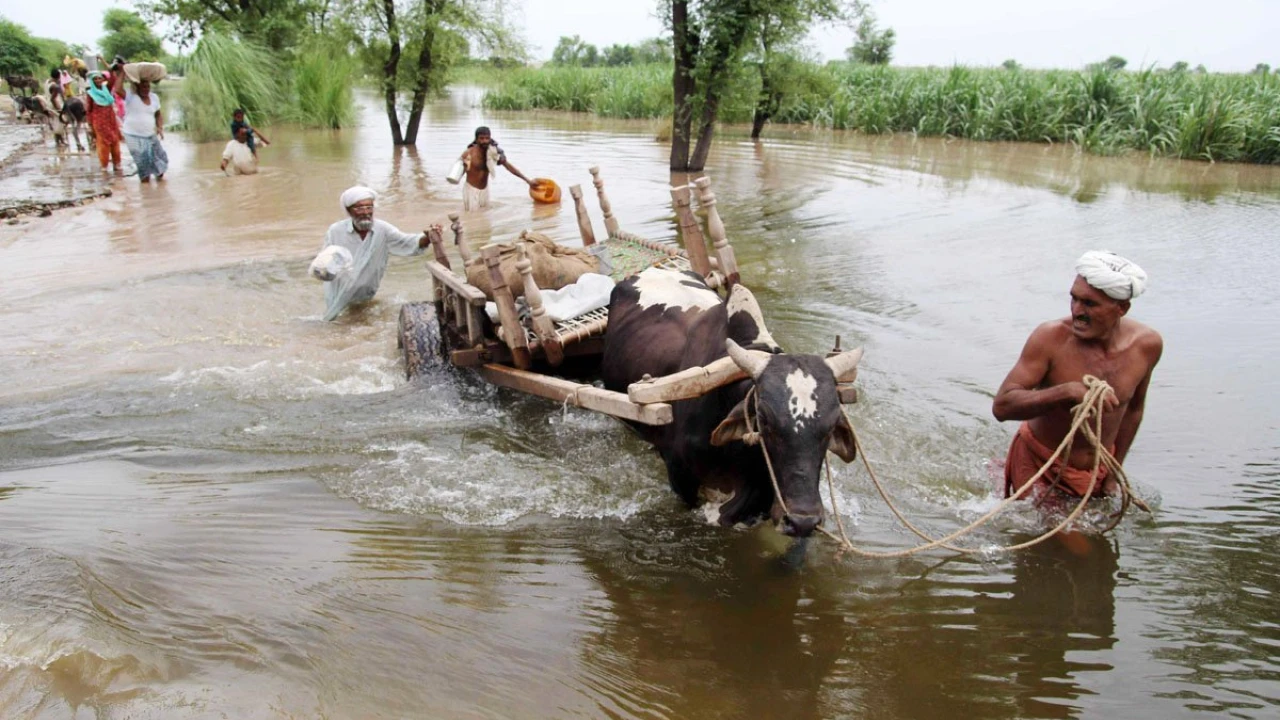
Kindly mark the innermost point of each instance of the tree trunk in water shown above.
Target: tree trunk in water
(709, 110)
(683, 84)
(389, 72)
(420, 86)
(761, 115)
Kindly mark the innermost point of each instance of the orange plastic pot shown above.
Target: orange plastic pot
(544, 190)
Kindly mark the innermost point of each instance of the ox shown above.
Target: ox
(71, 117)
(661, 322)
(22, 83)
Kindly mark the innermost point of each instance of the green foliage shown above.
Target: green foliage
(1010, 64)
(128, 36)
(1261, 69)
(19, 54)
(1179, 67)
(873, 47)
(574, 51)
(653, 50)
(222, 75)
(52, 52)
(322, 86)
(616, 55)
(1234, 118)
(1115, 62)
(275, 24)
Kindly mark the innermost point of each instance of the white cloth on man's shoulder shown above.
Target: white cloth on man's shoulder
(369, 261)
(1119, 278)
(240, 159)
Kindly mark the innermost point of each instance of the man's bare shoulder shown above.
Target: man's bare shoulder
(1052, 332)
(1146, 339)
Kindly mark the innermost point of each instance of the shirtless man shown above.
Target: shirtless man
(481, 158)
(1096, 339)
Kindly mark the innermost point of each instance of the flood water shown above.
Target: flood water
(214, 505)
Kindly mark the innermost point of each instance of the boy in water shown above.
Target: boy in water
(237, 122)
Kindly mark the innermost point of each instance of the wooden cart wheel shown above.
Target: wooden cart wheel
(419, 339)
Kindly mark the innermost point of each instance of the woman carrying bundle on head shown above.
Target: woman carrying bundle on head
(101, 109)
(143, 123)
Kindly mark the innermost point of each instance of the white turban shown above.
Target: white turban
(355, 194)
(1119, 278)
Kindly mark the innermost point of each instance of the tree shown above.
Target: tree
(616, 55)
(275, 24)
(653, 50)
(708, 38)
(574, 51)
(1115, 62)
(1179, 67)
(1261, 69)
(416, 41)
(128, 36)
(1010, 64)
(19, 54)
(782, 25)
(872, 47)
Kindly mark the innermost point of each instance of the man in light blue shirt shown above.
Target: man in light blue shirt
(370, 242)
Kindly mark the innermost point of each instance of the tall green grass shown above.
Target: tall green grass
(322, 87)
(312, 89)
(1177, 114)
(222, 75)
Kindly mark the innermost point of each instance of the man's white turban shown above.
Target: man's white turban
(1119, 278)
(355, 194)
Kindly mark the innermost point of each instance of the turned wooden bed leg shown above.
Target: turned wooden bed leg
(715, 228)
(436, 238)
(584, 220)
(695, 246)
(464, 250)
(610, 222)
(512, 331)
(543, 328)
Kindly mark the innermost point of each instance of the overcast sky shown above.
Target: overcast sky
(1223, 35)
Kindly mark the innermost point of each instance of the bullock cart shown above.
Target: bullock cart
(524, 348)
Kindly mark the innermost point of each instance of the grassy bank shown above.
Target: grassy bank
(1175, 114)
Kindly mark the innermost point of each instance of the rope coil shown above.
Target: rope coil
(1089, 409)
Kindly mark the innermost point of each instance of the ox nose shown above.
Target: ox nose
(800, 526)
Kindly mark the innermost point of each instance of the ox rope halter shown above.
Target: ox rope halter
(1091, 407)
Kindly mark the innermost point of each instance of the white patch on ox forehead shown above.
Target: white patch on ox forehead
(742, 300)
(666, 287)
(803, 402)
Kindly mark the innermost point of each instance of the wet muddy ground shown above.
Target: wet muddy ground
(37, 177)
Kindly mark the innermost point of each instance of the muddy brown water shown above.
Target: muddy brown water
(214, 505)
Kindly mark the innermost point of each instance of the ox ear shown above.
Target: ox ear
(733, 427)
(842, 441)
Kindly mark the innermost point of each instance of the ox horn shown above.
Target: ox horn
(844, 364)
(751, 361)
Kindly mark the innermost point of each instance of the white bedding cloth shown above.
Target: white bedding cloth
(590, 292)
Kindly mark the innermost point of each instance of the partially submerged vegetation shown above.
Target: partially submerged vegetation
(312, 88)
(1171, 113)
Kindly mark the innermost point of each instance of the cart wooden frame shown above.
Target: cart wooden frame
(528, 352)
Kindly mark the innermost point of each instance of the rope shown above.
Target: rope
(1091, 407)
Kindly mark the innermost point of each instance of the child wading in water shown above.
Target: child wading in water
(237, 122)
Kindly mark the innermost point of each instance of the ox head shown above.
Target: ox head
(798, 418)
